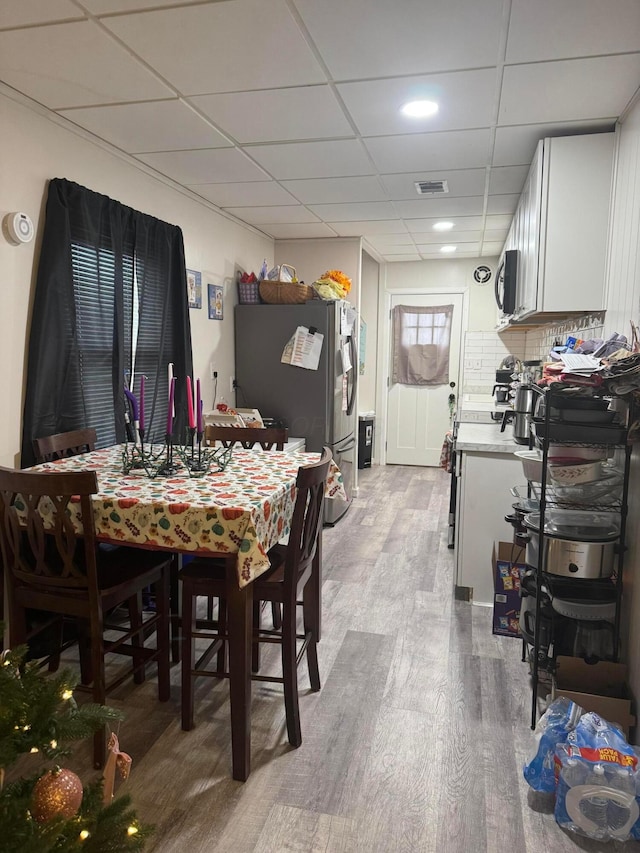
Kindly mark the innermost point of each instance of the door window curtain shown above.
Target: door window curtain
(110, 298)
(421, 339)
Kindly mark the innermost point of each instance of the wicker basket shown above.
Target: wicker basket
(285, 292)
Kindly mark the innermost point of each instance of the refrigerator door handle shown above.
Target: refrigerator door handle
(352, 399)
(349, 446)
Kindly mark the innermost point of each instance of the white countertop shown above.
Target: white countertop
(486, 438)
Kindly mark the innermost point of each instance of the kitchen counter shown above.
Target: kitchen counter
(486, 438)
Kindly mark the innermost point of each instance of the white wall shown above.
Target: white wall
(34, 149)
(369, 313)
(623, 305)
(312, 258)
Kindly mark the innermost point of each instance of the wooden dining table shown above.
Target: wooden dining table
(236, 514)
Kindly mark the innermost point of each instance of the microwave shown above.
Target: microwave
(505, 282)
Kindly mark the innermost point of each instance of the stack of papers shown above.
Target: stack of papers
(578, 363)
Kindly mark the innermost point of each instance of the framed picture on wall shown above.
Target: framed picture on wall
(194, 288)
(214, 294)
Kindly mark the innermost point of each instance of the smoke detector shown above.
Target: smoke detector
(17, 228)
(431, 187)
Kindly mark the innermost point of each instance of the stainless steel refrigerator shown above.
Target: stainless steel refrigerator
(318, 405)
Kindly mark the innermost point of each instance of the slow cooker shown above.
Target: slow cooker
(577, 544)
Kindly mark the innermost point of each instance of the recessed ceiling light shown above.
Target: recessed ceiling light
(443, 226)
(448, 248)
(419, 109)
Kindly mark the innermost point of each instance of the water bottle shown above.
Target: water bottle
(621, 779)
(594, 808)
(573, 773)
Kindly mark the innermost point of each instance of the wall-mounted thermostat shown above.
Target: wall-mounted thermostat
(17, 228)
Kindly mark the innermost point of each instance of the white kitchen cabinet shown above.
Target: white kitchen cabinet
(560, 227)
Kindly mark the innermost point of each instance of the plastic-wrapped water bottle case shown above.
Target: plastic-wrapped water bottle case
(596, 779)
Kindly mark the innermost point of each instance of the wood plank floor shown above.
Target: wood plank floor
(415, 742)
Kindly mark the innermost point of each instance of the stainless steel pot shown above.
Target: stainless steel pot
(577, 544)
(523, 405)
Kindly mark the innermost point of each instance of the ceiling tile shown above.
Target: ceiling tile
(367, 41)
(448, 237)
(210, 166)
(498, 222)
(154, 126)
(331, 159)
(101, 7)
(244, 194)
(18, 13)
(461, 246)
(222, 47)
(304, 112)
(357, 229)
(502, 203)
(516, 145)
(292, 231)
(331, 190)
(431, 207)
(354, 212)
(493, 249)
(387, 240)
(75, 64)
(404, 256)
(496, 236)
(461, 182)
(466, 99)
(507, 179)
(391, 258)
(569, 89)
(547, 29)
(290, 213)
(461, 149)
(460, 223)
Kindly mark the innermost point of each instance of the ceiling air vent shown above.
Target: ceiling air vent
(431, 187)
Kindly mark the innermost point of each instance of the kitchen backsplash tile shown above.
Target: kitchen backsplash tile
(483, 351)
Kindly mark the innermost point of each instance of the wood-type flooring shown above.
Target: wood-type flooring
(416, 742)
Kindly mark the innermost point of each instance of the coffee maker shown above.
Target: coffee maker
(502, 388)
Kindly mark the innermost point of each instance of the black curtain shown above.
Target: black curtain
(106, 271)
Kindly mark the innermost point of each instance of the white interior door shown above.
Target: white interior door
(418, 416)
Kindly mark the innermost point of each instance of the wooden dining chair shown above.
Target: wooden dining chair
(51, 568)
(248, 437)
(267, 437)
(48, 449)
(64, 444)
(288, 581)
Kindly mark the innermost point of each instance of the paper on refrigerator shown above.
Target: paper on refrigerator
(303, 349)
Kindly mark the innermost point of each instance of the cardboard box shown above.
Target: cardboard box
(506, 589)
(599, 687)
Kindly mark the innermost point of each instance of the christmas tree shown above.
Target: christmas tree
(53, 811)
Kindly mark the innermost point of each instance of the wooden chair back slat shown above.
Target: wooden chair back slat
(307, 519)
(38, 542)
(247, 437)
(63, 444)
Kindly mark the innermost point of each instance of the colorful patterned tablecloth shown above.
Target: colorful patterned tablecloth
(245, 509)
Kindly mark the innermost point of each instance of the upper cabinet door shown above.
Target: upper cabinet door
(529, 237)
(574, 227)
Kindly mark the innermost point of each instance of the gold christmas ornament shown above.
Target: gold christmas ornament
(57, 793)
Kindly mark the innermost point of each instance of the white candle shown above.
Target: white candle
(169, 378)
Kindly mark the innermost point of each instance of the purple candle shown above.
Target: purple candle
(198, 406)
(190, 413)
(134, 404)
(172, 387)
(142, 402)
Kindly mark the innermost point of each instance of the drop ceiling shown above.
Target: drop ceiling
(285, 113)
